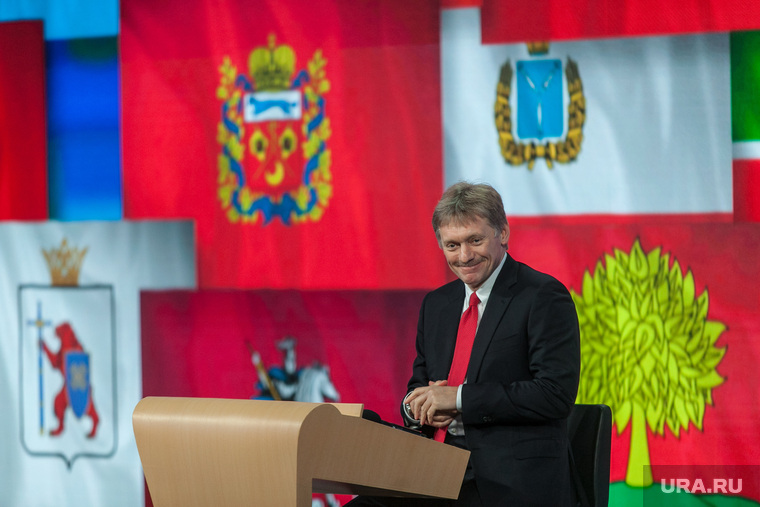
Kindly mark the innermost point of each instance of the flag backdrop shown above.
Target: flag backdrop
(689, 266)
(84, 167)
(745, 124)
(23, 155)
(285, 173)
(638, 127)
(67, 19)
(195, 343)
(200, 344)
(304, 139)
(614, 126)
(69, 354)
(517, 21)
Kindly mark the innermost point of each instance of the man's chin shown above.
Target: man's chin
(472, 280)
(468, 276)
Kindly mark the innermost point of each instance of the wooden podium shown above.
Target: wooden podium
(236, 453)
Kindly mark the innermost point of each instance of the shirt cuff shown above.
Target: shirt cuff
(459, 398)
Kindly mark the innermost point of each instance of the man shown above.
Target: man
(521, 376)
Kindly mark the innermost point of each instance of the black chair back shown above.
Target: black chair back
(590, 431)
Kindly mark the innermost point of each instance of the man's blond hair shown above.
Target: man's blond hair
(464, 202)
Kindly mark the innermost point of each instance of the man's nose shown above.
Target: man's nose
(465, 253)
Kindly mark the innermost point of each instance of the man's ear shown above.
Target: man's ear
(504, 236)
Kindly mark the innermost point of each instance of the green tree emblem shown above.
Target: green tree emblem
(647, 348)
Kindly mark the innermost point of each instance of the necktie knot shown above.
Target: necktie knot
(474, 299)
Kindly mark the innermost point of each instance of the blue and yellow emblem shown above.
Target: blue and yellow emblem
(540, 110)
(274, 159)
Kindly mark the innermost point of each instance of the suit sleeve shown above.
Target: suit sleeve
(419, 369)
(420, 374)
(547, 387)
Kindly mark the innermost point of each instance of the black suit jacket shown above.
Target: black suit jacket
(522, 380)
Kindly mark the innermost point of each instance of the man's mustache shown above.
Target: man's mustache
(468, 264)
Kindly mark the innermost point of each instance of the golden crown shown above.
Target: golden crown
(540, 47)
(272, 67)
(64, 263)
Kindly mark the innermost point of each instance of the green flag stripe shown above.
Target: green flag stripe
(745, 86)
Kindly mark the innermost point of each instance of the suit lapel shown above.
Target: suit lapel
(498, 301)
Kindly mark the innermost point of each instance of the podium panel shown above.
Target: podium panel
(235, 453)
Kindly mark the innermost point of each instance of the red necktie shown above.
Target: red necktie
(468, 325)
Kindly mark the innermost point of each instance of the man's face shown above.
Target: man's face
(473, 250)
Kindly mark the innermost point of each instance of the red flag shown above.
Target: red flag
(459, 4)
(356, 345)
(200, 343)
(23, 154)
(711, 290)
(303, 138)
(509, 21)
(746, 190)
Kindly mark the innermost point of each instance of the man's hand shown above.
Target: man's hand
(434, 405)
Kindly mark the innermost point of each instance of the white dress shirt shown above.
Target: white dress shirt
(484, 292)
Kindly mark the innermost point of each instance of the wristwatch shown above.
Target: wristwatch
(406, 412)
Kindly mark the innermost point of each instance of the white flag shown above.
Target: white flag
(629, 125)
(70, 354)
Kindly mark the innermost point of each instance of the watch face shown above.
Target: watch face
(408, 412)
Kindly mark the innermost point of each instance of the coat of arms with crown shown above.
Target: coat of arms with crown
(273, 133)
(68, 378)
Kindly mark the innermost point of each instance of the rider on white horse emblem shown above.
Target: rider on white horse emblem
(289, 383)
